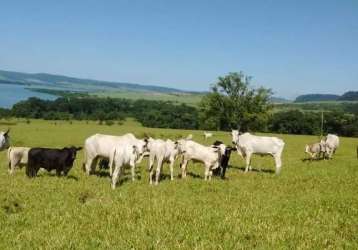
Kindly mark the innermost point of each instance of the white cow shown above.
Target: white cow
(4, 140)
(207, 135)
(101, 146)
(122, 155)
(17, 156)
(248, 144)
(210, 156)
(162, 151)
(316, 149)
(332, 143)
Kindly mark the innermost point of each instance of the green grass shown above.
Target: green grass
(309, 206)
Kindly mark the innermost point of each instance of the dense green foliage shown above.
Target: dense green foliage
(233, 102)
(341, 121)
(310, 205)
(309, 123)
(149, 113)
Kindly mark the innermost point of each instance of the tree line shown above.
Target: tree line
(232, 103)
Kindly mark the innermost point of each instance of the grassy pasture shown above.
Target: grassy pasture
(309, 206)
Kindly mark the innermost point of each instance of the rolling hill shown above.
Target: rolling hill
(60, 81)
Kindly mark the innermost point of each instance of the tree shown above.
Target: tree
(233, 102)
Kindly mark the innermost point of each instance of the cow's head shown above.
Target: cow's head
(4, 140)
(142, 146)
(180, 145)
(72, 152)
(235, 136)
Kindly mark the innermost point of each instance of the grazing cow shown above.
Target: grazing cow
(4, 140)
(210, 156)
(162, 151)
(224, 160)
(100, 146)
(49, 159)
(332, 143)
(17, 157)
(207, 135)
(315, 150)
(248, 144)
(123, 154)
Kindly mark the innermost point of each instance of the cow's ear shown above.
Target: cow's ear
(7, 132)
(79, 148)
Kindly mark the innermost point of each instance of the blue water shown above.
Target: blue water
(11, 94)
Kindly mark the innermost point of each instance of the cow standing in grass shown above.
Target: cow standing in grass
(248, 144)
(316, 150)
(49, 159)
(4, 140)
(17, 157)
(224, 160)
(100, 146)
(123, 155)
(161, 151)
(332, 143)
(194, 151)
(207, 135)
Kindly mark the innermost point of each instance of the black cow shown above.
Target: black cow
(224, 161)
(49, 159)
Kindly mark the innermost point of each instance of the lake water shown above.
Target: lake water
(12, 93)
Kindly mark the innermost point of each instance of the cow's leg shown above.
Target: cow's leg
(207, 172)
(171, 166)
(150, 168)
(210, 174)
(12, 165)
(278, 162)
(184, 165)
(90, 165)
(133, 171)
(159, 167)
(115, 176)
(223, 171)
(248, 161)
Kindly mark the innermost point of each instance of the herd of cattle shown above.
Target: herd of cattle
(127, 150)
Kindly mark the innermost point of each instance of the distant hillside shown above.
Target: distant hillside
(316, 98)
(49, 80)
(349, 96)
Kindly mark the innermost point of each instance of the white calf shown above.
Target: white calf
(162, 151)
(207, 135)
(17, 156)
(121, 156)
(248, 144)
(210, 156)
(316, 149)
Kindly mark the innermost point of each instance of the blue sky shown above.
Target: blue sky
(293, 47)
